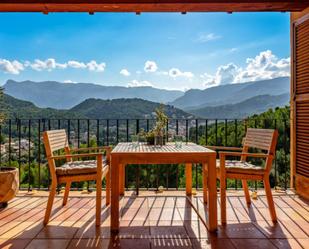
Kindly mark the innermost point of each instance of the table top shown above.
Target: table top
(168, 148)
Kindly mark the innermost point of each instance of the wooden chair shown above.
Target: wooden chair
(262, 139)
(75, 171)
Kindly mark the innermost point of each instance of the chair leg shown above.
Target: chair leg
(51, 198)
(246, 190)
(108, 188)
(223, 199)
(98, 200)
(66, 193)
(270, 200)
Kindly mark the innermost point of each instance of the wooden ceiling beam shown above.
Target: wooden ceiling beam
(138, 6)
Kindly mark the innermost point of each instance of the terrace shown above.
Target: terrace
(150, 220)
(168, 219)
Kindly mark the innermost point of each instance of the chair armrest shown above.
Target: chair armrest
(247, 154)
(60, 157)
(224, 148)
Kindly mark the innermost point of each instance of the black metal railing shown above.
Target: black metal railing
(22, 147)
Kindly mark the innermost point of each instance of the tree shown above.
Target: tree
(1, 106)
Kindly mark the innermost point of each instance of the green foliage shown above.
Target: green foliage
(2, 112)
(222, 132)
(161, 121)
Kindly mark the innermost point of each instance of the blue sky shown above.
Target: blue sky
(173, 51)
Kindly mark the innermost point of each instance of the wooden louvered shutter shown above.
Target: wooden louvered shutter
(300, 102)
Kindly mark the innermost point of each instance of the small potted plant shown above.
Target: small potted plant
(9, 184)
(156, 136)
(9, 177)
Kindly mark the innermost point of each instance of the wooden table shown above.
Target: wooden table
(126, 153)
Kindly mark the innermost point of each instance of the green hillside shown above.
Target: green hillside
(15, 108)
(124, 108)
(91, 108)
(254, 105)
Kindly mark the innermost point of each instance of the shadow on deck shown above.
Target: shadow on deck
(154, 221)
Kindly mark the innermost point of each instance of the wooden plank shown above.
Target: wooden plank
(46, 6)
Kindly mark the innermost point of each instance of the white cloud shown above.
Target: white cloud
(202, 37)
(76, 64)
(264, 66)
(136, 83)
(96, 67)
(48, 65)
(125, 72)
(150, 67)
(91, 65)
(175, 72)
(224, 75)
(69, 81)
(11, 67)
(15, 67)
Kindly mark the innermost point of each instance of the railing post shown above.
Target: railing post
(78, 135)
(69, 131)
(107, 132)
(39, 152)
(127, 129)
(225, 132)
(98, 132)
(275, 158)
(196, 131)
(117, 131)
(285, 152)
(206, 131)
(1, 146)
(216, 129)
(137, 126)
(19, 149)
(10, 141)
(29, 155)
(187, 130)
(235, 144)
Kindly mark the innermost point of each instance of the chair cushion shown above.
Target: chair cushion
(79, 168)
(232, 166)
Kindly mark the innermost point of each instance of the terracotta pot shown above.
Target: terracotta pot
(9, 184)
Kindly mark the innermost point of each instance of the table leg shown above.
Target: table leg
(212, 194)
(114, 194)
(205, 166)
(121, 178)
(188, 178)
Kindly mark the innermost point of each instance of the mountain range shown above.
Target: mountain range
(66, 95)
(231, 93)
(254, 105)
(50, 99)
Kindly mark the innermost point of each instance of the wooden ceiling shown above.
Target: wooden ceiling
(138, 6)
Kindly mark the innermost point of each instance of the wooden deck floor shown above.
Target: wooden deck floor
(153, 221)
